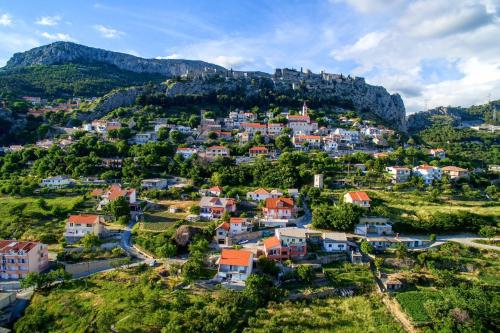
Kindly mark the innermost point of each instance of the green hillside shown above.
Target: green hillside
(73, 79)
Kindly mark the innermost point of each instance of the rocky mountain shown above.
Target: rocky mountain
(201, 78)
(454, 116)
(67, 52)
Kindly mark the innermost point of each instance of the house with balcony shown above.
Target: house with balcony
(56, 182)
(455, 173)
(235, 265)
(334, 242)
(375, 226)
(186, 152)
(279, 208)
(306, 141)
(428, 173)
(114, 192)
(438, 153)
(213, 208)
(235, 226)
(253, 128)
(258, 150)
(286, 243)
(18, 258)
(360, 199)
(399, 174)
(275, 129)
(77, 226)
(216, 151)
(154, 184)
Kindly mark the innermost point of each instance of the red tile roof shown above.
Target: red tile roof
(237, 220)
(253, 125)
(274, 203)
(359, 196)
(84, 219)
(115, 191)
(292, 117)
(272, 242)
(97, 192)
(215, 189)
(224, 225)
(453, 168)
(11, 245)
(217, 147)
(261, 191)
(308, 137)
(235, 257)
(257, 149)
(425, 167)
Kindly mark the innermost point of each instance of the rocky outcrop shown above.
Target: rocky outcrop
(355, 91)
(66, 52)
(204, 78)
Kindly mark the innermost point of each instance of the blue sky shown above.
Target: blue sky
(432, 52)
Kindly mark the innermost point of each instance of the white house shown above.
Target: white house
(399, 174)
(235, 226)
(360, 199)
(187, 152)
(77, 226)
(438, 153)
(57, 182)
(373, 226)
(154, 183)
(334, 242)
(235, 265)
(142, 138)
(428, 173)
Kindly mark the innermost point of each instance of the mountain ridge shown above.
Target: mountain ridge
(68, 52)
(201, 78)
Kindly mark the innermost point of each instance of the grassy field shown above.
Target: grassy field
(413, 302)
(407, 204)
(347, 315)
(349, 275)
(30, 218)
(159, 218)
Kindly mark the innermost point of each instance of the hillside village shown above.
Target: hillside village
(245, 209)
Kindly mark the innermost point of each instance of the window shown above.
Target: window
(329, 245)
(89, 225)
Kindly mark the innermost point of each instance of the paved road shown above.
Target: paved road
(467, 239)
(127, 246)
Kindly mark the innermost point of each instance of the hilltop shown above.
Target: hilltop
(43, 71)
(66, 52)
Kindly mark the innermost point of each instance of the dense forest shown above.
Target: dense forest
(68, 80)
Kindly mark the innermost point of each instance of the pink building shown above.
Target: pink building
(18, 258)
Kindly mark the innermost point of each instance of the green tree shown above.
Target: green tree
(119, 207)
(366, 247)
(379, 262)
(306, 273)
(89, 241)
(401, 250)
(488, 231)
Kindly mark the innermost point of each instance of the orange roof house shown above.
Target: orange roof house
(358, 198)
(258, 150)
(279, 208)
(235, 257)
(84, 219)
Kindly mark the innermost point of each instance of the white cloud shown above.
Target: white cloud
(57, 36)
(460, 33)
(48, 20)
(370, 6)
(108, 32)
(170, 56)
(15, 42)
(5, 20)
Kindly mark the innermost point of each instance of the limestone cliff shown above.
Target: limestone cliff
(67, 52)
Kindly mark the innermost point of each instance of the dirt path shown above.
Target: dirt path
(398, 313)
